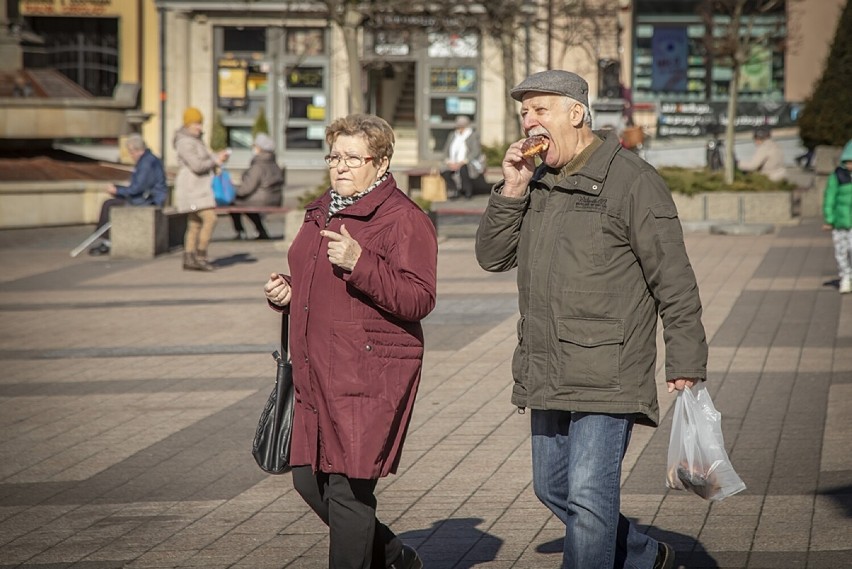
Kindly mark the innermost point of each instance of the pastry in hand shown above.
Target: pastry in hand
(534, 145)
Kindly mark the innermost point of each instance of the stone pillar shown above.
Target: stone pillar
(11, 55)
(138, 232)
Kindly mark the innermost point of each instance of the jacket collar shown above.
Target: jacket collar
(363, 207)
(590, 177)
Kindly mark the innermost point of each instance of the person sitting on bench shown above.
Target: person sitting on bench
(465, 163)
(147, 187)
(261, 185)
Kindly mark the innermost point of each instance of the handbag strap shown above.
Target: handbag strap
(285, 327)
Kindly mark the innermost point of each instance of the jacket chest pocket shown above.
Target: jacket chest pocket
(590, 352)
(583, 234)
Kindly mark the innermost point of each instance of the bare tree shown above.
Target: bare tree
(591, 25)
(348, 16)
(731, 36)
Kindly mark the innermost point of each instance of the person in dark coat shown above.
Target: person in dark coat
(363, 277)
(594, 235)
(261, 185)
(147, 187)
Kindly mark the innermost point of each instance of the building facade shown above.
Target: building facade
(237, 59)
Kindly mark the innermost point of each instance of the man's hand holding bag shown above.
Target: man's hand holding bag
(697, 458)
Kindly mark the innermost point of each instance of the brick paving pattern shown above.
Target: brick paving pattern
(129, 392)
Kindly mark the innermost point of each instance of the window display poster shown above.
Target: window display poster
(232, 86)
(459, 106)
(453, 45)
(462, 79)
(690, 119)
(669, 51)
(756, 74)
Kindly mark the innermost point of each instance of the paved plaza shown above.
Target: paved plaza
(130, 390)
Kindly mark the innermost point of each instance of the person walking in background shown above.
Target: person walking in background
(262, 185)
(363, 269)
(768, 158)
(595, 236)
(464, 160)
(193, 189)
(147, 187)
(837, 214)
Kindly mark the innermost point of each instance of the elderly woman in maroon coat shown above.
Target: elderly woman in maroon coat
(363, 276)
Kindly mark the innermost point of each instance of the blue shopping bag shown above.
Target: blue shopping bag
(223, 188)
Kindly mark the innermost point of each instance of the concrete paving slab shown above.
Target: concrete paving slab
(129, 392)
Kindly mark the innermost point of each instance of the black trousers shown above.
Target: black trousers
(103, 218)
(453, 190)
(254, 218)
(357, 540)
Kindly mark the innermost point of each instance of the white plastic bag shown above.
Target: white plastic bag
(697, 458)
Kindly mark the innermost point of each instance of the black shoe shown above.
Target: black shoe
(408, 559)
(102, 249)
(263, 237)
(665, 556)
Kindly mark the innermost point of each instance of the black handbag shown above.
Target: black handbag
(271, 446)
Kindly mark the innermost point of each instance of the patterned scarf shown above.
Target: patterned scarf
(339, 202)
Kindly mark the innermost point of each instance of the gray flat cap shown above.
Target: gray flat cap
(554, 81)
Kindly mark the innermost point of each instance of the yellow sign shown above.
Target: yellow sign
(68, 7)
(316, 113)
(232, 83)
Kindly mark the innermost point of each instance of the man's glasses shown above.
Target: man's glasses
(351, 161)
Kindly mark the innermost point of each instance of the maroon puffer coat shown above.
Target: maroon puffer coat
(355, 338)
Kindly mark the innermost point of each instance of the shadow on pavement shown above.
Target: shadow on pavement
(688, 551)
(454, 543)
(842, 495)
(235, 259)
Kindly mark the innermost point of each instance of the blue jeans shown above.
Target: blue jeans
(577, 474)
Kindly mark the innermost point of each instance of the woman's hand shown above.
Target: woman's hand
(277, 290)
(343, 251)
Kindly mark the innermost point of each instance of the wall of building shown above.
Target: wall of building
(811, 28)
(150, 78)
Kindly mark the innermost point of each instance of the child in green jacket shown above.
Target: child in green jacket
(837, 212)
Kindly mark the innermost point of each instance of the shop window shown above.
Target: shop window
(310, 108)
(454, 79)
(305, 138)
(446, 109)
(246, 39)
(671, 63)
(240, 137)
(305, 78)
(83, 49)
(305, 41)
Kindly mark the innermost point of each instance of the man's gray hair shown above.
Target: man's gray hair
(135, 142)
(587, 115)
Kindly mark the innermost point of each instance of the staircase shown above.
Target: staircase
(405, 153)
(404, 114)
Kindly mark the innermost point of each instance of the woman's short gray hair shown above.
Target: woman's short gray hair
(587, 115)
(135, 142)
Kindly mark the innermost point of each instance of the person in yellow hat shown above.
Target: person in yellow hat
(193, 189)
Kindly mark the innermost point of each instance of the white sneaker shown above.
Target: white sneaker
(845, 285)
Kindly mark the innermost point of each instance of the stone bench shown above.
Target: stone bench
(143, 232)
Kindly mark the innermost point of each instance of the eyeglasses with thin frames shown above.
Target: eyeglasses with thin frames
(351, 161)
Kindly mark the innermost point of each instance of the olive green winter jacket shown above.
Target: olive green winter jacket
(599, 255)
